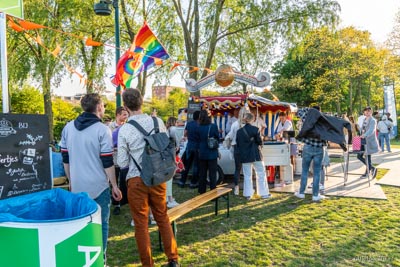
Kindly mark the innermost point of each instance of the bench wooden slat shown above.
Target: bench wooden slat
(189, 205)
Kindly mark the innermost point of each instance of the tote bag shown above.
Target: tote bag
(357, 143)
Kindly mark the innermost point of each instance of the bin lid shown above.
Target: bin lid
(52, 205)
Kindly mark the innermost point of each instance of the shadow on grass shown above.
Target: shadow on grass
(199, 225)
(282, 231)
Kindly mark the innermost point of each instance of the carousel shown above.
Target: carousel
(276, 153)
(222, 107)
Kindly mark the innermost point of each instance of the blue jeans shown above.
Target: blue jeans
(315, 154)
(104, 201)
(384, 138)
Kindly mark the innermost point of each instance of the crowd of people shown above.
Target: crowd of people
(97, 157)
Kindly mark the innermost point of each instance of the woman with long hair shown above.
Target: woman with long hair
(208, 157)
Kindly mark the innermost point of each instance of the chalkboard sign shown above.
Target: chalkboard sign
(192, 107)
(24, 154)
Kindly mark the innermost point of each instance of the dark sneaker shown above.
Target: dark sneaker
(172, 263)
(117, 211)
(364, 176)
(373, 172)
(193, 186)
(181, 184)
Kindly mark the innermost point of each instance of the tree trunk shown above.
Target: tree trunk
(48, 107)
(350, 110)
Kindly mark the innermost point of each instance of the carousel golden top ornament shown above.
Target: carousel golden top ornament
(224, 75)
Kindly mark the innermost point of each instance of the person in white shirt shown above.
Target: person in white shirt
(232, 137)
(360, 122)
(283, 125)
(231, 120)
(259, 122)
(384, 126)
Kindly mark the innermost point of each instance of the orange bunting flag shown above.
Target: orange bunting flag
(69, 68)
(30, 25)
(90, 42)
(158, 61)
(176, 64)
(82, 80)
(38, 40)
(208, 70)
(79, 75)
(56, 51)
(15, 26)
(194, 69)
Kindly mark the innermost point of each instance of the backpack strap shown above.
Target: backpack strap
(156, 128)
(137, 126)
(143, 131)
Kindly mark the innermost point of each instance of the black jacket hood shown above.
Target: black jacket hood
(85, 120)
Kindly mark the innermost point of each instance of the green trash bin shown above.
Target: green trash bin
(50, 228)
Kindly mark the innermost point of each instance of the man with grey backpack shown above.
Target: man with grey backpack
(134, 149)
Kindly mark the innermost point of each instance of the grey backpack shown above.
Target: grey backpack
(158, 158)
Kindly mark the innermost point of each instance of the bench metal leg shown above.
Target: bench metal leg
(174, 231)
(227, 205)
(226, 197)
(216, 206)
(159, 240)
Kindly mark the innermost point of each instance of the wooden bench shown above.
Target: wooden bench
(175, 213)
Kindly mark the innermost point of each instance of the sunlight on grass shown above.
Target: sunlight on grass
(380, 173)
(282, 231)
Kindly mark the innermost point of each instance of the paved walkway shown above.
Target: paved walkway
(335, 184)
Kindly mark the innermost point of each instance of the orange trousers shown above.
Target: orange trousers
(141, 198)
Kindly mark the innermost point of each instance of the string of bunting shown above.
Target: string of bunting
(145, 52)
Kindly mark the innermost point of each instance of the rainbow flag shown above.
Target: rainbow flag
(145, 52)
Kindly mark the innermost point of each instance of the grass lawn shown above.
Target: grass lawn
(282, 231)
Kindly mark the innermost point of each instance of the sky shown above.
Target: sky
(375, 16)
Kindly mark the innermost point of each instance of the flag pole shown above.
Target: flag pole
(3, 63)
(117, 48)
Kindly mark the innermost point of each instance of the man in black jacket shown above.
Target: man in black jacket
(312, 151)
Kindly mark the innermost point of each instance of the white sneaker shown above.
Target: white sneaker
(266, 196)
(236, 190)
(172, 204)
(279, 185)
(152, 221)
(298, 195)
(318, 198)
(132, 223)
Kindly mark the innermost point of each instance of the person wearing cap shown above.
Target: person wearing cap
(370, 146)
(285, 125)
(384, 126)
(388, 117)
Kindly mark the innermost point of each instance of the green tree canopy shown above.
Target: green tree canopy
(335, 69)
(27, 100)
